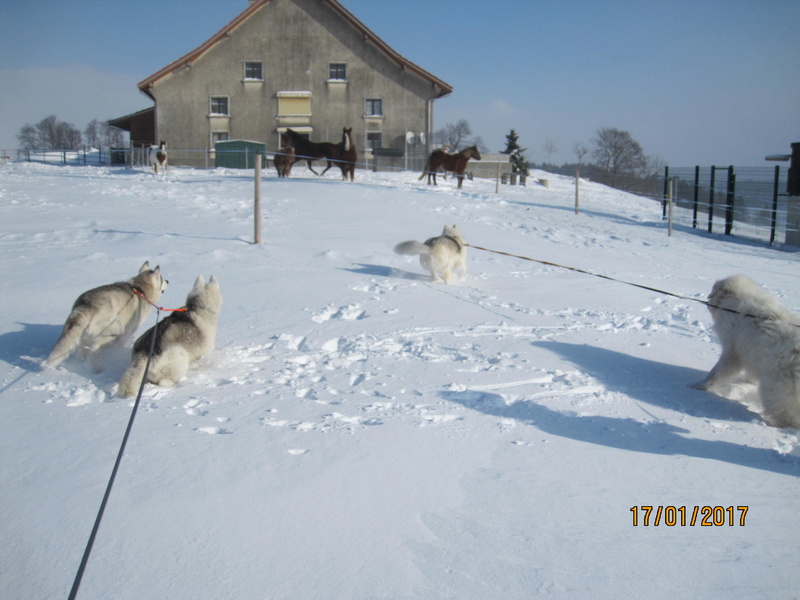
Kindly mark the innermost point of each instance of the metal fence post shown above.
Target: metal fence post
(711, 200)
(696, 195)
(729, 201)
(774, 220)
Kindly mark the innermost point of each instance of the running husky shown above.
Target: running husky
(181, 339)
(441, 255)
(107, 316)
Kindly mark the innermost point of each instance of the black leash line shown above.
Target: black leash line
(87, 552)
(601, 276)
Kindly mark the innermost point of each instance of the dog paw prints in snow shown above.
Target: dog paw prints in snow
(351, 312)
(213, 430)
(196, 407)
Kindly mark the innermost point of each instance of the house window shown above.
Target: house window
(337, 71)
(374, 141)
(219, 106)
(219, 136)
(253, 71)
(373, 107)
(294, 104)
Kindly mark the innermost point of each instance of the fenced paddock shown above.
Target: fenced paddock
(749, 202)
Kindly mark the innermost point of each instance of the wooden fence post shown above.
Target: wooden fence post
(577, 190)
(670, 188)
(257, 207)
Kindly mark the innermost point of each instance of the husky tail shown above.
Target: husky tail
(131, 379)
(411, 247)
(69, 339)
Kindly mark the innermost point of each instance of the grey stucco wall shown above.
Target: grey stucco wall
(295, 40)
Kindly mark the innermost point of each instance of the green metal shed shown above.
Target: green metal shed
(237, 154)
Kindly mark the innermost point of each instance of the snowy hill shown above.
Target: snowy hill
(361, 432)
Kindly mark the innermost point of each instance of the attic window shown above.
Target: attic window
(253, 71)
(337, 71)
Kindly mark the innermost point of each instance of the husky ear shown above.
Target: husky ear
(145, 267)
(213, 281)
(199, 283)
(157, 270)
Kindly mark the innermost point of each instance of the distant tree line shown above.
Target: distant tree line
(617, 159)
(52, 134)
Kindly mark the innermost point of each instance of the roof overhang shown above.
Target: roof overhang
(441, 87)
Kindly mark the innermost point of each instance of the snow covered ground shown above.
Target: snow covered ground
(361, 432)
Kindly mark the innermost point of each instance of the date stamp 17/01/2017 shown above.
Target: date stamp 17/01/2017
(683, 516)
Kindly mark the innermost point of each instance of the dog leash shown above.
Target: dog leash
(88, 550)
(609, 278)
(140, 293)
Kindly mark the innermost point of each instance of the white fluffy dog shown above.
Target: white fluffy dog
(761, 337)
(442, 255)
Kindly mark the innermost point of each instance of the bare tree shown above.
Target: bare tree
(110, 136)
(618, 154)
(549, 148)
(92, 133)
(454, 135)
(50, 133)
(580, 151)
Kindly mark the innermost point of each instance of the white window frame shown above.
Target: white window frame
(369, 106)
(337, 79)
(246, 63)
(211, 106)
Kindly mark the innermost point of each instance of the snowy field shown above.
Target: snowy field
(361, 432)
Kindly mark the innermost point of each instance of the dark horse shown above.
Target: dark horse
(346, 155)
(310, 151)
(439, 160)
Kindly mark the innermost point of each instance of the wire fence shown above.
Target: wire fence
(748, 202)
(743, 202)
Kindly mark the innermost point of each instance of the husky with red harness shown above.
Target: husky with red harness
(181, 339)
(107, 316)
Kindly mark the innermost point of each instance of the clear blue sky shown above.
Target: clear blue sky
(693, 81)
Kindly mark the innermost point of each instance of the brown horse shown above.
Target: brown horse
(285, 157)
(439, 160)
(310, 151)
(346, 155)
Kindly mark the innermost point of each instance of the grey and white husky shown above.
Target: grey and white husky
(107, 316)
(181, 339)
(442, 255)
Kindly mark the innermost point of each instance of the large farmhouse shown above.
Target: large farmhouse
(308, 65)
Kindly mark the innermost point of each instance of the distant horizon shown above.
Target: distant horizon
(719, 88)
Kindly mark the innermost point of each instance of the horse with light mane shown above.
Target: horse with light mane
(439, 160)
(346, 155)
(158, 157)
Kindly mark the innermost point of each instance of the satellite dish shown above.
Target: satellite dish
(409, 137)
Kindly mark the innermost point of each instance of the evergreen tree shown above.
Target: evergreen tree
(519, 163)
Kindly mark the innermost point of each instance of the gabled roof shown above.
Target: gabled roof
(443, 88)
